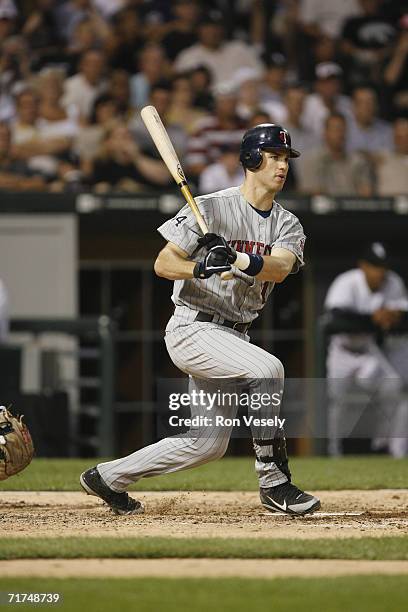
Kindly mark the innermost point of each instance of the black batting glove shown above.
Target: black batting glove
(215, 262)
(210, 241)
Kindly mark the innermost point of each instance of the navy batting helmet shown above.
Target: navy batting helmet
(264, 137)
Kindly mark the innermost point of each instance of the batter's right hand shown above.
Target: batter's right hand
(210, 240)
(215, 262)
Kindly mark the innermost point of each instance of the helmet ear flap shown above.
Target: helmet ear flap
(252, 159)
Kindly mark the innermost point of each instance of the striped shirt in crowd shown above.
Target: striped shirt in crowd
(210, 137)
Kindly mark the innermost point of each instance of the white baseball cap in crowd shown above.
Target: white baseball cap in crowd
(328, 70)
(245, 74)
(8, 9)
(228, 89)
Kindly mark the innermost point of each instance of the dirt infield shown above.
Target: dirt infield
(203, 514)
(209, 568)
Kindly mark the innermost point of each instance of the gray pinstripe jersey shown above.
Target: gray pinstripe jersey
(227, 213)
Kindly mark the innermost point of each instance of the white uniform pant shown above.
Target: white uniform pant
(212, 355)
(375, 377)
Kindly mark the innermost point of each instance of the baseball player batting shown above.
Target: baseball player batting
(207, 337)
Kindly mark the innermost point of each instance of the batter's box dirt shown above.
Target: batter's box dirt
(203, 514)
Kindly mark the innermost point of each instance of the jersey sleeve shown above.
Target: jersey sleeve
(340, 295)
(183, 230)
(397, 299)
(292, 238)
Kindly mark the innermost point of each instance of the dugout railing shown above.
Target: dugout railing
(95, 343)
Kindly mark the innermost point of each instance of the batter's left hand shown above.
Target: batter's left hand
(215, 262)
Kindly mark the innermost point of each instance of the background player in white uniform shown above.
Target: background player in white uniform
(206, 337)
(373, 297)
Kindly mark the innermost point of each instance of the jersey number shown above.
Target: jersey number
(179, 220)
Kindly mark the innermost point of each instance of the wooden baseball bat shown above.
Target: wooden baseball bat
(160, 137)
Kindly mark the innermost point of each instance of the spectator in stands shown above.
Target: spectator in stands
(83, 88)
(153, 67)
(181, 111)
(8, 16)
(295, 99)
(324, 50)
(275, 78)
(201, 82)
(24, 126)
(330, 170)
(223, 58)
(366, 132)
(367, 40)
(326, 18)
(14, 70)
(259, 116)
(59, 126)
(4, 310)
(109, 8)
(181, 32)
(40, 29)
(89, 139)
(121, 165)
(248, 84)
(275, 103)
(392, 168)
(70, 13)
(126, 41)
(38, 145)
(312, 52)
(119, 89)
(396, 71)
(224, 127)
(327, 97)
(153, 13)
(301, 134)
(53, 119)
(226, 172)
(160, 98)
(15, 174)
(85, 37)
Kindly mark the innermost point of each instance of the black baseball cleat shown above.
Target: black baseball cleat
(288, 499)
(120, 503)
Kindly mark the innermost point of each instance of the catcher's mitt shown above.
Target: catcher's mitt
(16, 445)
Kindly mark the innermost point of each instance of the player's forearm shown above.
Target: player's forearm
(152, 169)
(15, 182)
(173, 267)
(271, 268)
(275, 269)
(394, 69)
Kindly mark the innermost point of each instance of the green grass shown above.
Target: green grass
(387, 548)
(343, 594)
(228, 474)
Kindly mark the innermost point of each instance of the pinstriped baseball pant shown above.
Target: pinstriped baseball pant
(213, 356)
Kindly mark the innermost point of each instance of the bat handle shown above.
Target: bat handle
(185, 190)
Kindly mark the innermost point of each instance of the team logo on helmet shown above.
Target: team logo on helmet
(283, 137)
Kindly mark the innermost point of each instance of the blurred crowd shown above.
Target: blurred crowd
(74, 75)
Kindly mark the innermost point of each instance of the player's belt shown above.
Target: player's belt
(204, 317)
(356, 350)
